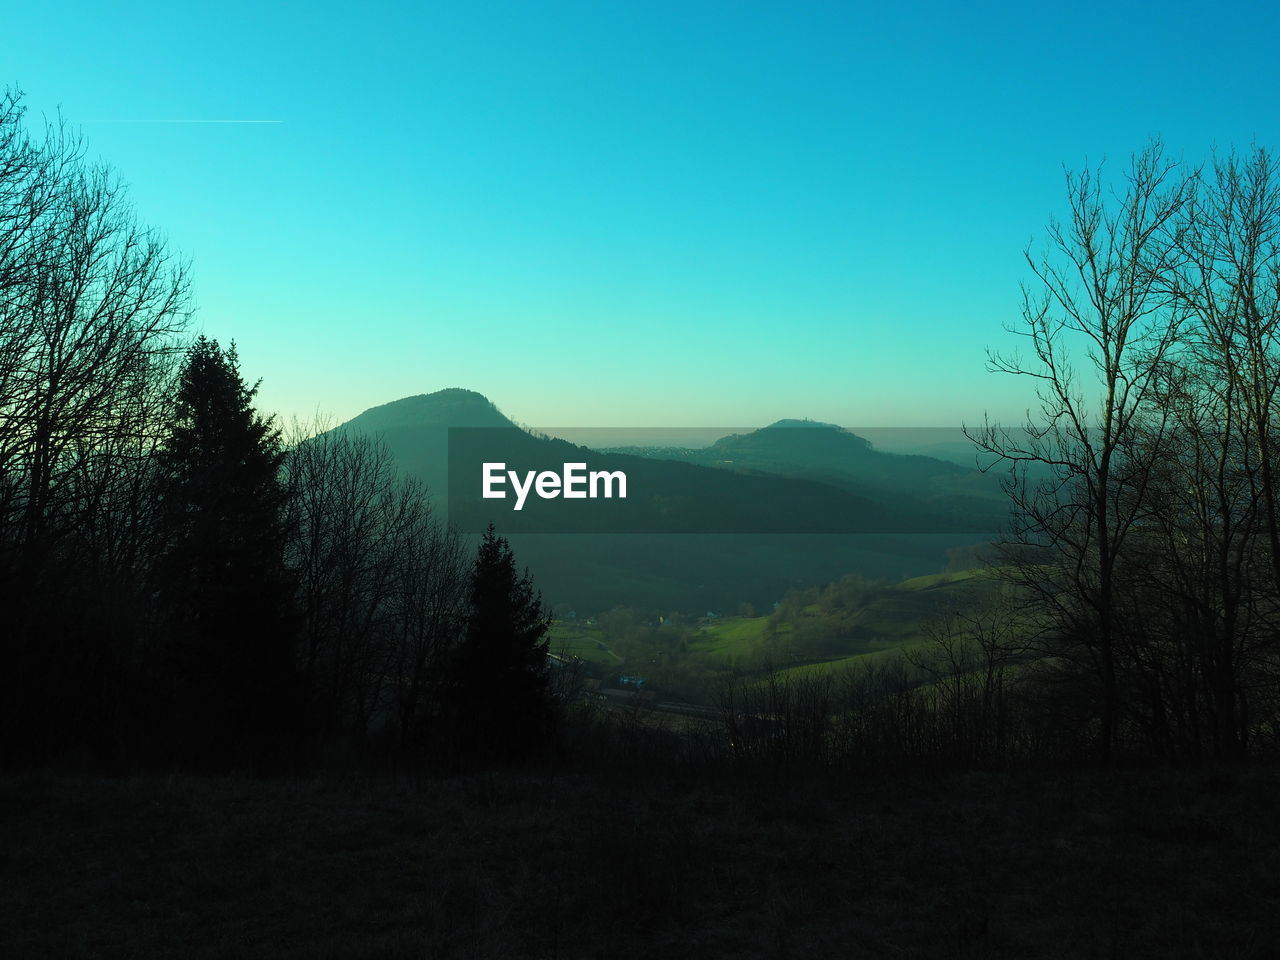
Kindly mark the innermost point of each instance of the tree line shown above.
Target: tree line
(180, 583)
(1144, 553)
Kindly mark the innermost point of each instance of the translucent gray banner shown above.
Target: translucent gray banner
(792, 477)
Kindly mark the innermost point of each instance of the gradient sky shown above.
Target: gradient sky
(630, 213)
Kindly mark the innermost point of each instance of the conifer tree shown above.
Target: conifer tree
(503, 708)
(227, 625)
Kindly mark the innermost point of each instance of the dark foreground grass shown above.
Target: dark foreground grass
(1131, 865)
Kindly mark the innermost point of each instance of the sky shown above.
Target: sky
(630, 213)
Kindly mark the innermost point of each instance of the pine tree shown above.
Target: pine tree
(503, 708)
(224, 592)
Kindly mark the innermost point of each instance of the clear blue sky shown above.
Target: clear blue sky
(630, 213)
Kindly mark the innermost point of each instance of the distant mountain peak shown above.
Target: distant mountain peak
(449, 395)
(806, 422)
(787, 434)
(450, 407)
(456, 393)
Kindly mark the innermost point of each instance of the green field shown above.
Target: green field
(821, 631)
(571, 638)
(894, 619)
(732, 641)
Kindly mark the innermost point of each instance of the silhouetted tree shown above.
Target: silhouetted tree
(91, 303)
(382, 585)
(225, 595)
(1145, 491)
(501, 706)
(1080, 468)
(1210, 597)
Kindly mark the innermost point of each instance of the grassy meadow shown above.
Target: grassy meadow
(873, 622)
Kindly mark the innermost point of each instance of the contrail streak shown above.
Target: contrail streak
(184, 121)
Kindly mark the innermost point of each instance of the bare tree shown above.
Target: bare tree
(970, 662)
(382, 583)
(90, 299)
(92, 305)
(1217, 507)
(1077, 476)
(1231, 284)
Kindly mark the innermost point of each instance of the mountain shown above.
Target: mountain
(452, 407)
(826, 453)
(787, 424)
(790, 480)
(416, 429)
(785, 494)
